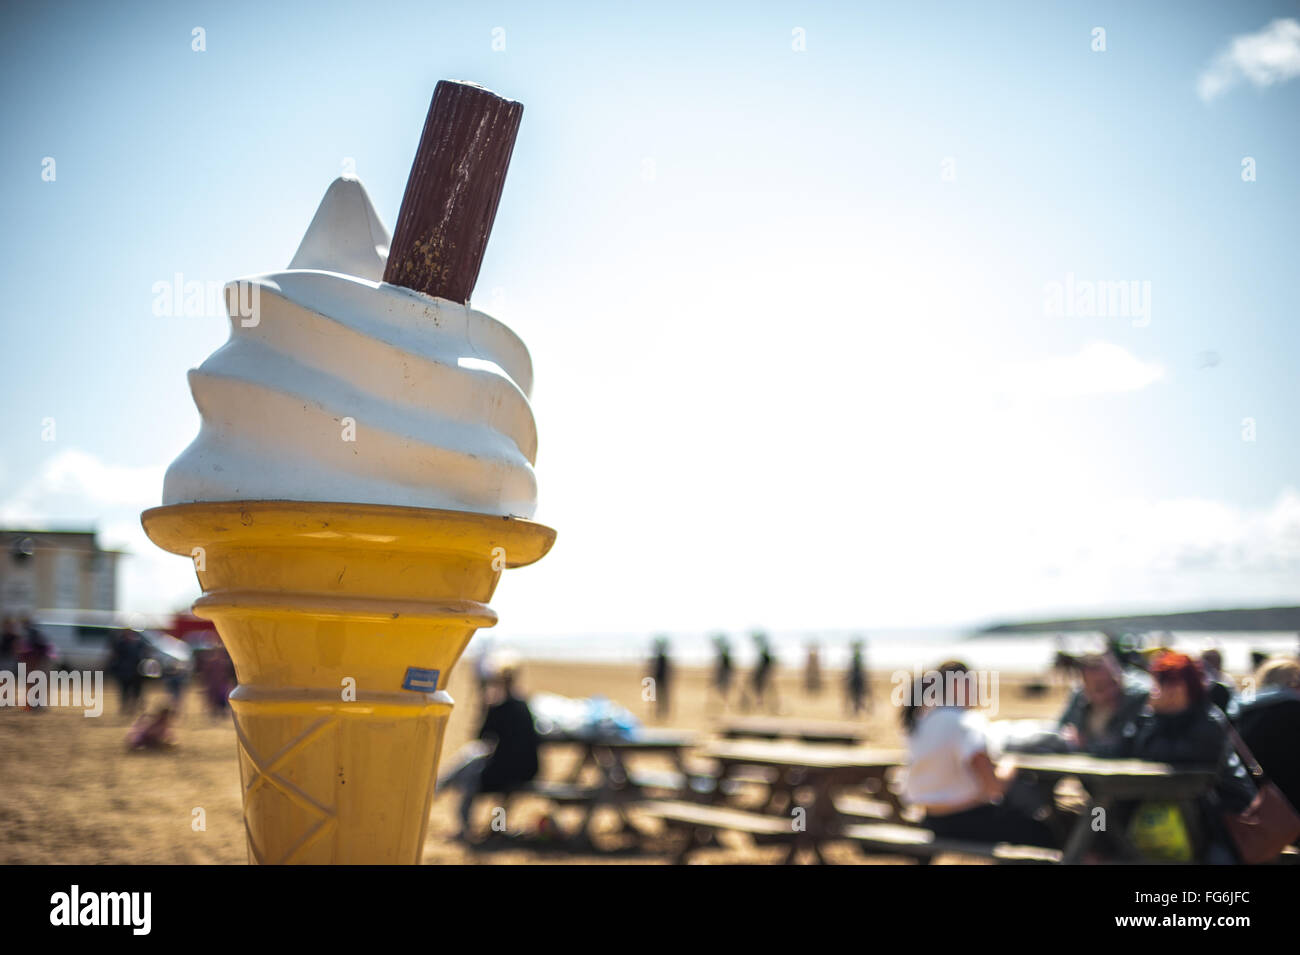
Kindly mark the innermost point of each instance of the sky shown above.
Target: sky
(811, 290)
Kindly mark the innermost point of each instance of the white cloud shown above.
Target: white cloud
(76, 486)
(1184, 552)
(1188, 535)
(1270, 56)
(1099, 368)
(944, 543)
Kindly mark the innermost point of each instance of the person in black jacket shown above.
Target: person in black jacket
(508, 728)
(10, 638)
(126, 653)
(1269, 723)
(509, 725)
(1185, 729)
(1105, 706)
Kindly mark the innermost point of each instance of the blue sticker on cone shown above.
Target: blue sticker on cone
(420, 680)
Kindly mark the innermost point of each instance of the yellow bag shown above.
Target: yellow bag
(1159, 832)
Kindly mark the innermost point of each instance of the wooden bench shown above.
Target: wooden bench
(672, 781)
(864, 808)
(918, 843)
(832, 732)
(554, 792)
(701, 822)
(558, 792)
(564, 793)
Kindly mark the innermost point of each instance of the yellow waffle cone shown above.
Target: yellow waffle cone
(343, 622)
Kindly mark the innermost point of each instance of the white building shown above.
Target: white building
(55, 570)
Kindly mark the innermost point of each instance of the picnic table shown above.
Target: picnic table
(1109, 781)
(777, 727)
(820, 768)
(608, 753)
(617, 786)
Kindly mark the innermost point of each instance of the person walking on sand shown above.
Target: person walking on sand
(218, 678)
(723, 671)
(10, 639)
(175, 682)
(661, 673)
(812, 671)
(124, 664)
(760, 681)
(856, 688)
(34, 653)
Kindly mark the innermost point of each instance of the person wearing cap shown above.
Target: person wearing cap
(1105, 706)
(1183, 728)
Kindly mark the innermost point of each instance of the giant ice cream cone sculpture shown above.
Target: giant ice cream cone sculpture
(343, 622)
(362, 477)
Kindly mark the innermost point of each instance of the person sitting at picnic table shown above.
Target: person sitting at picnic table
(1269, 723)
(951, 771)
(1109, 700)
(1183, 728)
(509, 760)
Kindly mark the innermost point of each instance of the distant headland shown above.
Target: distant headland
(1265, 619)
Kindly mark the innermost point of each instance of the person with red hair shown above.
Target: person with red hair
(1172, 670)
(1185, 729)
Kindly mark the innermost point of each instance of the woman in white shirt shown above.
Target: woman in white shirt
(950, 768)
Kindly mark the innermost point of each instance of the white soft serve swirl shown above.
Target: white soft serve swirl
(438, 392)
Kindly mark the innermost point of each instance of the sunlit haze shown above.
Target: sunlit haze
(820, 301)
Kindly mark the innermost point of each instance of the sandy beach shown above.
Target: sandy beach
(72, 793)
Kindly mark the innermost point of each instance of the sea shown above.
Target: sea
(899, 649)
